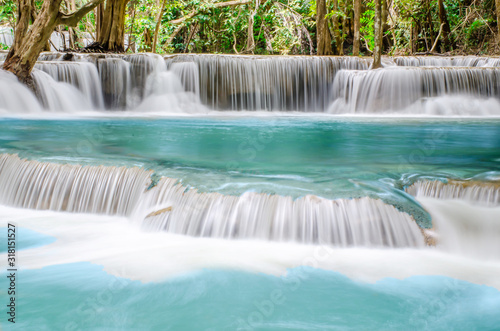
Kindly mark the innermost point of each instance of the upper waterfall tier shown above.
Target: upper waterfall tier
(300, 83)
(482, 193)
(398, 88)
(409, 85)
(169, 206)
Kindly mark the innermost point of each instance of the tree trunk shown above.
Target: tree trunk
(324, 40)
(357, 26)
(158, 24)
(99, 14)
(250, 38)
(28, 43)
(443, 18)
(112, 32)
(336, 29)
(377, 50)
(148, 43)
(497, 4)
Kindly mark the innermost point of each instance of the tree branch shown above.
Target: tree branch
(72, 19)
(437, 38)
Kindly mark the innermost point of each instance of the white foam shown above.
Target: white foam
(124, 250)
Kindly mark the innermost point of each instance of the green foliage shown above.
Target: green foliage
(8, 12)
(288, 26)
(367, 21)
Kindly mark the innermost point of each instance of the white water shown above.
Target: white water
(122, 191)
(15, 97)
(337, 85)
(126, 251)
(82, 75)
(482, 193)
(465, 228)
(298, 83)
(397, 88)
(455, 61)
(116, 82)
(59, 96)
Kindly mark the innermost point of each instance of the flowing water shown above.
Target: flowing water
(216, 192)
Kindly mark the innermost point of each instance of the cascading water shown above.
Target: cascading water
(116, 82)
(81, 75)
(271, 83)
(407, 89)
(15, 97)
(459, 61)
(59, 96)
(338, 85)
(483, 193)
(121, 191)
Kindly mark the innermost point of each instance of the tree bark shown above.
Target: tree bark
(112, 32)
(336, 30)
(443, 18)
(357, 26)
(377, 50)
(28, 43)
(497, 4)
(250, 38)
(158, 24)
(323, 38)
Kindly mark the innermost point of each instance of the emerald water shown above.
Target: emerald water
(252, 193)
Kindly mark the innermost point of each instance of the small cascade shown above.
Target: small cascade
(72, 188)
(465, 228)
(50, 56)
(115, 82)
(479, 193)
(82, 75)
(397, 88)
(165, 93)
(58, 96)
(169, 206)
(141, 66)
(311, 219)
(296, 83)
(435, 61)
(16, 97)
(189, 75)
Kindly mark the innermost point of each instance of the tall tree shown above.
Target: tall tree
(158, 24)
(29, 41)
(336, 29)
(378, 33)
(357, 26)
(443, 18)
(323, 37)
(497, 4)
(111, 35)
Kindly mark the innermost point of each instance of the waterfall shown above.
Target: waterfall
(447, 86)
(465, 214)
(72, 188)
(58, 96)
(483, 193)
(141, 66)
(81, 75)
(456, 61)
(311, 219)
(14, 96)
(169, 206)
(189, 75)
(300, 83)
(397, 88)
(115, 81)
